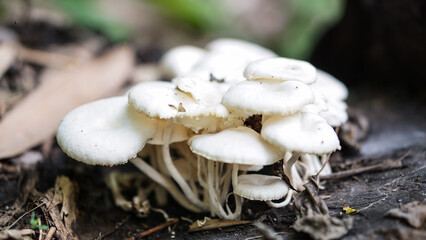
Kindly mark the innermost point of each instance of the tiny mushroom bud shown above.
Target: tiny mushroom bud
(105, 132)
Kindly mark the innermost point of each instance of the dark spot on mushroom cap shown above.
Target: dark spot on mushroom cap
(322, 142)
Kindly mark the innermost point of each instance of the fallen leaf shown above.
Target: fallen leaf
(61, 206)
(349, 210)
(16, 234)
(414, 213)
(209, 224)
(35, 118)
(313, 216)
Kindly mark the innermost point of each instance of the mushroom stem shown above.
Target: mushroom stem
(235, 175)
(215, 204)
(288, 165)
(283, 203)
(165, 183)
(160, 193)
(174, 172)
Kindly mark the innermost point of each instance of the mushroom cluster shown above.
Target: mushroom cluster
(229, 110)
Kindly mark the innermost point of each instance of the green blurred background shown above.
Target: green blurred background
(290, 27)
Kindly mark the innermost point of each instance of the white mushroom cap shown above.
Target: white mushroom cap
(104, 132)
(160, 99)
(249, 50)
(302, 132)
(239, 145)
(225, 66)
(268, 97)
(261, 187)
(180, 60)
(330, 86)
(203, 92)
(179, 133)
(282, 69)
(336, 113)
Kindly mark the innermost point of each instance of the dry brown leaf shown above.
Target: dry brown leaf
(36, 117)
(16, 234)
(64, 196)
(209, 224)
(414, 213)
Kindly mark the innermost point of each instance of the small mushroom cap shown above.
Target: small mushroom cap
(268, 97)
(330, 86)
(249, 50)
(104, 132)
(180, 60)
(260, 187)
(302, 132)
(282, 69)
(239, 145)
(160, 99)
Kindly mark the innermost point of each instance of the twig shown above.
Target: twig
(386, 165)
(159, 227)
(117, 226)
(40, 236)
(49, 235)
(23, 215)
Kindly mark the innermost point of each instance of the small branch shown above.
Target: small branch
(158, 227)
(23, 215)
(386, 165)
(117, 226)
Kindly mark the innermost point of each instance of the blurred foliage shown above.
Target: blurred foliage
(308, 22)
(203, 15)
(86, 13)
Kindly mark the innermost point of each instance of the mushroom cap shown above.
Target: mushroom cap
(302, 132)
(282, 69)
(222, 65)
(240, 145)
(330, 86)
(104, 132)
(180, 60)
(160, 99)
(204, 92)
(249, 50)
(268, 97)
(336, 113)
(261, 187)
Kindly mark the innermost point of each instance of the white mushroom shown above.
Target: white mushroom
(250, 51)
(180, 60)
(105, 132)
(261, 187)
(268, 97)
(281, 69)
(300, 133)
(240, 145)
